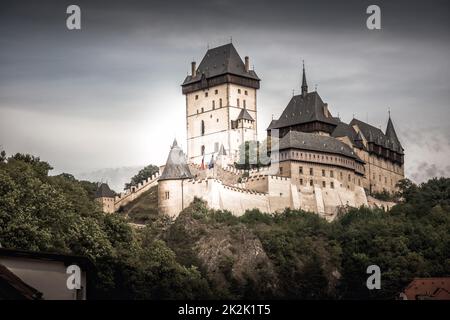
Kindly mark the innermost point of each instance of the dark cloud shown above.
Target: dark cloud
(97, 97)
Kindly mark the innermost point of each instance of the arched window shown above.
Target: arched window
(220, 102)
(244, 104)
(238, 102)
(214, 104)
(202, 128)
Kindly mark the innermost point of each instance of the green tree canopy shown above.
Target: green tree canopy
(142, 175)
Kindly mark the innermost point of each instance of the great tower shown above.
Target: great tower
(221, 104)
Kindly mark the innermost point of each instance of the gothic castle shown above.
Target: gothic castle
(317, 162)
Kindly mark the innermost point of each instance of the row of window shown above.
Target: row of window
(285, 155)
(324, 184)
(216, 148)
(217, 92)
(385, 179)
(238, 103)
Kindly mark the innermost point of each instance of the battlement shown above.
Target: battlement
(135, 191)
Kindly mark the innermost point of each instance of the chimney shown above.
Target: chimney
(193, 68)
(247, 63)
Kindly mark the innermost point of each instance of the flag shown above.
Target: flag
(202, 167)
(211, 163)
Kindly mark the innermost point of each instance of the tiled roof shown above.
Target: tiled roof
(104, 191)
(303, 109)
(218, 61)
(176, 166)
(315, 142)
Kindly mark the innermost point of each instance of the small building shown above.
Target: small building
(106, 197)
(427, 289)
(29, 275)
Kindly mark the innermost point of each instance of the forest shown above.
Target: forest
(208, 254)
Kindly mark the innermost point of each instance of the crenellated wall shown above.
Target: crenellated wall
(134, 192)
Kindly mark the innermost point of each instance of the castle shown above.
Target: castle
(317, 162)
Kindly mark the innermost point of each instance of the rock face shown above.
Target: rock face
(235, 254)
(231, 256)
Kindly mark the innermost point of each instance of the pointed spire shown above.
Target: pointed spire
(222, 151)
(391, 134)
(304, 84)
(176, 166)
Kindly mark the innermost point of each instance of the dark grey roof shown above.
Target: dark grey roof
(221, 60)
(222, 151)
(176, 166)
(375, 135)
(303, 109)
(104, 191)
(392, 135)
(315, 142)
(345, 130)
(245, 115)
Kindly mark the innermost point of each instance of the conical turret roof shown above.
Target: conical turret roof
(176, 166)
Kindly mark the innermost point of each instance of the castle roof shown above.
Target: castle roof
(244, 115)
(222, 151)
(376, 136)
(104, 191)
(392, 135)
(345, 130)
(315, 142)
(176, 166)
(219, 61)
(303, 109)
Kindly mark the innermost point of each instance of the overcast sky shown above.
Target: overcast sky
(109, 95)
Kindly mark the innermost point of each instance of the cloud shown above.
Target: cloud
(110, 96)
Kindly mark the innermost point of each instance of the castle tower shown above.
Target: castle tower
(105, 196)
(221, 104)
(171, 193)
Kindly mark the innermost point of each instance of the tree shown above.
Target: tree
(142, 175)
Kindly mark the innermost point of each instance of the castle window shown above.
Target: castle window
(196, 97)
(311, 171)
(349, 178)
(217, 120)
(379, 177)
(216, 91)
(300, 170)
(246, 92)
(340, 174)
(206, 94)
(202, 110)
(244, 104)
(281, 170)
(214, 104)
(203, 150)
(331, 174)
(332, 185)
(202, 128)
(238, 102)
(301, 182)
(239, 90)
(323, 173)
(324, 184)
(167, 195)
(220, 102)
(311, 183)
